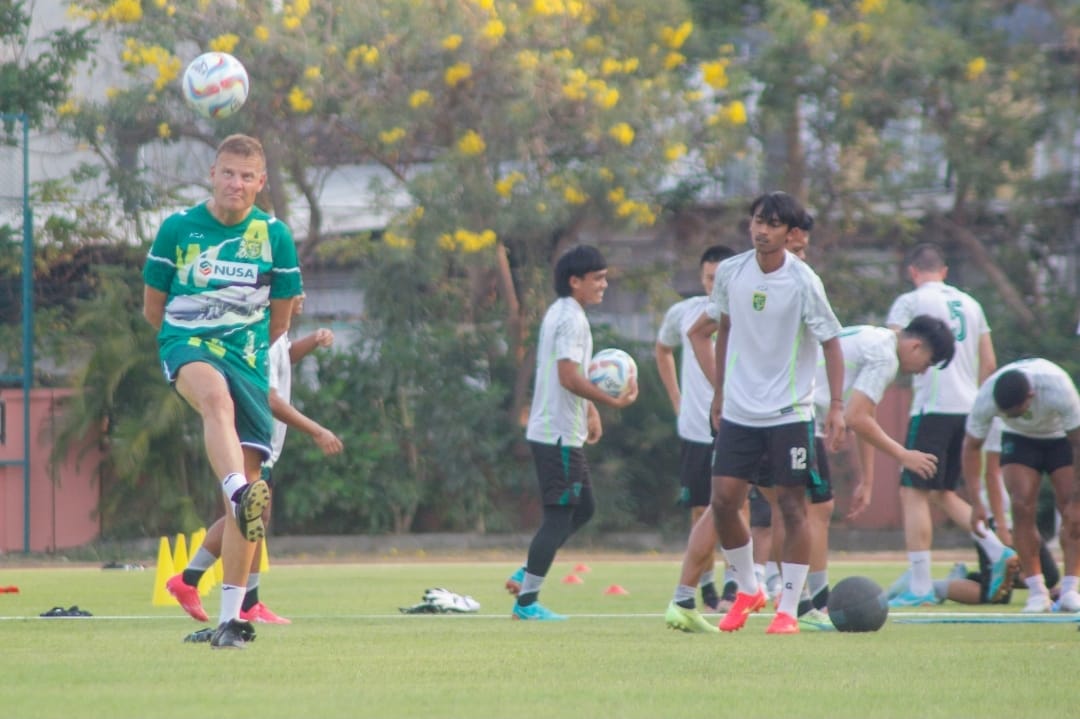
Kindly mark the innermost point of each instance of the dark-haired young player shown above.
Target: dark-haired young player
(690, 393)
(563, 418)
(1040, 409)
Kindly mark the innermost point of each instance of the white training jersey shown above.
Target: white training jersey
(696, 390)
(777, 322)
(1054, 410)
(280, 382)
(557, 413)
(870, 366)
(950, 390)
(992, 443)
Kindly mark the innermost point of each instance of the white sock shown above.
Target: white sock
(253, 580)
(683, 593)
(990, 543)
(232, 597)
(1036, 584)
(232, 482)
(794, 576)
(771, 570)
(741, 561)
(921, 582)
(1070, 583)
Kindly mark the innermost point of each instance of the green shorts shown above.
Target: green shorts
(250, 392)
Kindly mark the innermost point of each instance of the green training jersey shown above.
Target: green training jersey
(219, 281)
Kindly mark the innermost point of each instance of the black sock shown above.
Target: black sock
(251, 598)
(687, 603)
(821, 599)
(192, 577)
(527, 599)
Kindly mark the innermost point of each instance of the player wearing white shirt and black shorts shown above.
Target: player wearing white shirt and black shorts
(772, 312)
(1040, 409)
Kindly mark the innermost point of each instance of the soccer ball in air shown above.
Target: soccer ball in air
(858, 604)
(611, 371)
(215, 85)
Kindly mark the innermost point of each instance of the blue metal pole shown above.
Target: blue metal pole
(28, 325)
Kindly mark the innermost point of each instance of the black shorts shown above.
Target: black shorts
(788, 448)
(561, 472)
(695, 474)
(1042, 455)
(818, 492)
(941, 435)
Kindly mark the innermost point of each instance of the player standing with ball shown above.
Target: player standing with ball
(221, 278)
(563, 418)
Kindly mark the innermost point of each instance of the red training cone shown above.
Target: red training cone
(615, 589)
(572, 579)
(582, 568)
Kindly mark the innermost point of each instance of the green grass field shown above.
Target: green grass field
(351, 653)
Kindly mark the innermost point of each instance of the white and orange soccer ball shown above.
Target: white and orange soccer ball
(215, 85)
(611, 371)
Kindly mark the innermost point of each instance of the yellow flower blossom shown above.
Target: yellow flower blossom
(299, 8)
(494, 29)
(68, 107)
(528, 59)
(606, 98)
(616, 195)
(610, 66)
(389, 137)
(505, 186)
(575, 86)
(593, 44)
(123, 11)
(847, 99)
(693, 95)
(674, 37)
(298, 101)
(622, 133)
(674, 151)
(397, 241)
(261, 33)
(451, 42)
(574, 196)
(419, 99)
(975, 68)
(735, 113)
(563, 53)
(630, 65)
(673, 60)
(471, 144)
(467, 241)
(290, 22)
(541, 207)
(312, 72)
(548, 7)
(457, 73)
(488, 5)
(819, 19)
(605, 174)
(224, 43)
(164, 131)
(869, 7)
(446, 242)
(112, 92)
(715, 74)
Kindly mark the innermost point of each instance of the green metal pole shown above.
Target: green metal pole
(28, 325)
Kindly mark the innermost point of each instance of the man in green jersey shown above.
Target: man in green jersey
(220, 279)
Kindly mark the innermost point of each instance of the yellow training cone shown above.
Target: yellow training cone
(180, 555)
(264, 557)
(161, 596)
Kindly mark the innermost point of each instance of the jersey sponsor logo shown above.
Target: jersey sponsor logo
(234, 272)
(759, 300)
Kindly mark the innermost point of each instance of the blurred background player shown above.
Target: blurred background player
(940, 402)
(563, 418)
(690, 393)
(1040, 410)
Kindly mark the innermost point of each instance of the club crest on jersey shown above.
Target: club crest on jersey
(235, 272)
(759, 300)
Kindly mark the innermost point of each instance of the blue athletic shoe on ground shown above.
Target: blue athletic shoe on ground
(907, 599)
(900, 585)
(536, 612)
(1002, 574)
(513, 582)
